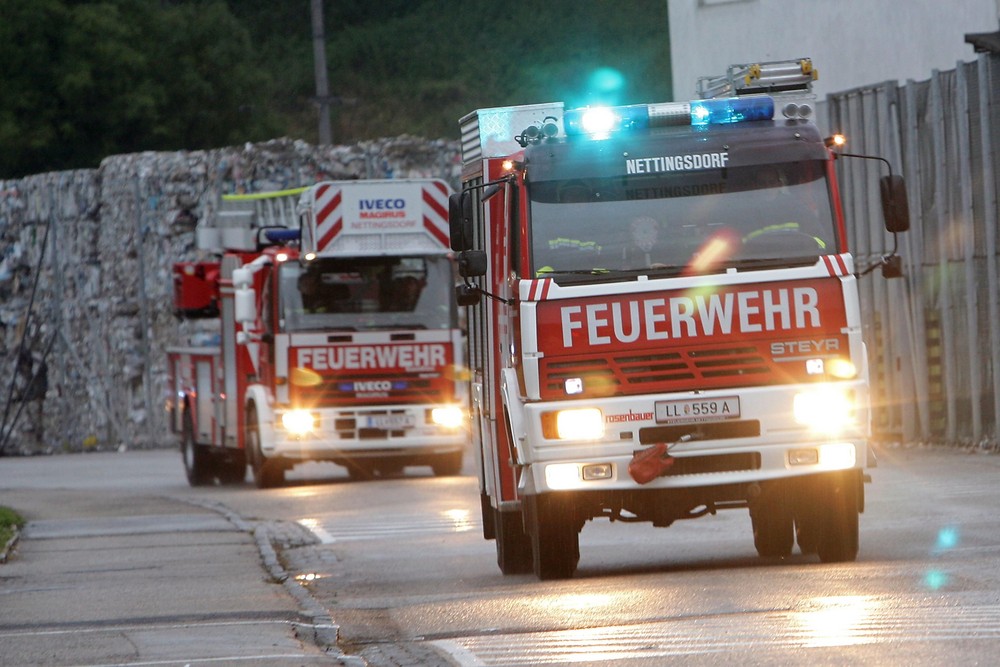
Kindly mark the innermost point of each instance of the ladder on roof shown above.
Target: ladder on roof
(781, 76)
(240, 217)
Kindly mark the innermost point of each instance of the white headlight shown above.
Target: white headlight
(448, 417)
(825, 408)
(580, 424)
(298, 422)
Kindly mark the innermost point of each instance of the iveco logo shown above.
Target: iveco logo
(369, 385)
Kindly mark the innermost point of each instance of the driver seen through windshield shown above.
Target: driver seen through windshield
(687, 222)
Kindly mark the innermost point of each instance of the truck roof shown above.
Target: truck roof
(375, 217)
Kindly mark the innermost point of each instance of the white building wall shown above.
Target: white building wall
(851, 42)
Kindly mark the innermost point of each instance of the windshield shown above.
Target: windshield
(688, 222)
(361, 293)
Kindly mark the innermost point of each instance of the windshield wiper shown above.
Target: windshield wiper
(774, 262)
(598, 272)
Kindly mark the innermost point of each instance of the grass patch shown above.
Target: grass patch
(9, 522)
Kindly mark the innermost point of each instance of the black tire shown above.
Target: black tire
(772, 520)
(389, 468)
(555, 537)
(197, 459)
(513, 545)
(267, 473)
(232, 470)
(807, 520)
(360, 470)
(447, 465)
(838, 517)
(806, 533)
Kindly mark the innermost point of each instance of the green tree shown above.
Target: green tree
(83, 80)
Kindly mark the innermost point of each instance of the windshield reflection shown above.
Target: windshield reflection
(367, 293)
(682, 223)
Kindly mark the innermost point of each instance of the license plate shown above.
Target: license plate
(697, 410)
(391, 422)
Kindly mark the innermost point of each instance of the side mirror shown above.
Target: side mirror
(460, 221)
(245, 305)
(892, 266)
(472, 263)
(242, 278)
(895, 206)
(467, 295)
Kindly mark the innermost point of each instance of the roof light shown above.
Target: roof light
(733, 110)
(601, 121)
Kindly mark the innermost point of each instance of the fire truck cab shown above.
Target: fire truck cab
(663, 320)
(338, 336)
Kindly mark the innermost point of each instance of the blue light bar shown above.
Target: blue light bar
(733, 110)
(601, 121)
(282, 235)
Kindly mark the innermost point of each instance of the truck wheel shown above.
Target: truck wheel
(447, 465)
(232, 470)
(197, 458)
(807, 528)
(771, 517)
(838, 517)
(360, 471)
(513, 546)
(267, 473)
(389, 468)
(555, 538)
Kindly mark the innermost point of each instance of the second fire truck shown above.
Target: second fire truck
(336, 335)
(664, 320)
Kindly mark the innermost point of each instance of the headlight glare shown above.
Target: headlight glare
(298, 422)
(827, 409)
(580, 424)
(451, 416)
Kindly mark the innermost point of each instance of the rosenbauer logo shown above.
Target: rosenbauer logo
(629, 417)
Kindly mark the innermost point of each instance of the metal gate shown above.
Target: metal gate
(933, 336)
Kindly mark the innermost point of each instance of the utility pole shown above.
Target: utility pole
(319, 66)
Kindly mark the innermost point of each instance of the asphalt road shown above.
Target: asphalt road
(401, 569)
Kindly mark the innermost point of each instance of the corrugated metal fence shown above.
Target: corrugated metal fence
(933, 336)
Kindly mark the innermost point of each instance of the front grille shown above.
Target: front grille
(719, 430)
(627, 373)
(345, 391)
(698, 465)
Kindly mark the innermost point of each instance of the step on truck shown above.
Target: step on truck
(334, 335)
(664, 319)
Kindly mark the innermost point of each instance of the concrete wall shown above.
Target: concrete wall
(852, 43)
(86, 283)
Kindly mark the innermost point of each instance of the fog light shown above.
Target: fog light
(595, 471)
(838, 457)
(803, 457)
(562, 476)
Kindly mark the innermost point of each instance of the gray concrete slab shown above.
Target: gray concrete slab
(105, 580)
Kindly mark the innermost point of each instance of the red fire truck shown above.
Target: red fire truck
(664, 320)
(337, 335)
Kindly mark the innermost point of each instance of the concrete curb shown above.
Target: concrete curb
(316, 619)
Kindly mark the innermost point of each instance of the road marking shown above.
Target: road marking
(330, 529)
(837, 622)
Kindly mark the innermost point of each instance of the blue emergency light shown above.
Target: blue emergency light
(601, 121)
(277, 235)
